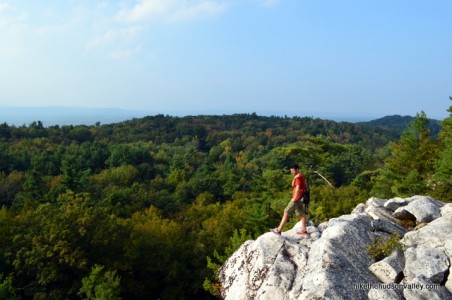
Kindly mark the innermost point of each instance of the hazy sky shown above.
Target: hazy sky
(294, 57)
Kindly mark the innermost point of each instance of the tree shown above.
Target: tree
(74, 171)
(101, 285)
(442, 182)
(55, 243)
(10, 186)
(411, 162)
(160, 257)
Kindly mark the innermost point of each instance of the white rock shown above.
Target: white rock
(423, 288)
(380, 213)
(385, 294)
(393, 204)
(423, 209)
(375, 202)
(270, 261)
(446, 210)
(432, 263)
(359, 209)
(388, 227)
(434, 234)
(390, 269)
(333, 263)
(448, 245)
(448, 284)
(322, 226)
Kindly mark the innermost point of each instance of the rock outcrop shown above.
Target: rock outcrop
(334, 262)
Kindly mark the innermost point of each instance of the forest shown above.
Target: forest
(150, 208)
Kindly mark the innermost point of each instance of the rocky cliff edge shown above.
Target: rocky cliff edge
(334, 262)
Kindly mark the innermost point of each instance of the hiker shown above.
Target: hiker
(296, 203)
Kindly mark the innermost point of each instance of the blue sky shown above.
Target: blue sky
(273, 57)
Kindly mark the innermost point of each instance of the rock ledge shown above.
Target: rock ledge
(334, 264)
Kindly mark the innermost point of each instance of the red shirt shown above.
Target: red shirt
(298, 180)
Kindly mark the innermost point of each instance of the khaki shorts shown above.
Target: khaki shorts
(297, 206)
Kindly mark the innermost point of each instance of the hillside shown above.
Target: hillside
(400, 123)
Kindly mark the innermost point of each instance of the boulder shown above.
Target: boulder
(446, 210)
(268, 265)
(434, 234)
(234, 273)
(422, 208)
(423, 288)
(395, 203)
(432, 263)
(426, 198)
(359, 209)
(375, 202)
(382, 225)
(390, 269)
(380, 212)
(322, 226)
(338, 261)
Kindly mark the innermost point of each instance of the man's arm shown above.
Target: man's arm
(295, 192)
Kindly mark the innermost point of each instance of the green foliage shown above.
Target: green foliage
(411, 162)
(100, 285)
(263, 211)
(53, 243)
(383, 247)
(329, 203)
(10, 186)
(7, 292)
(441, 182)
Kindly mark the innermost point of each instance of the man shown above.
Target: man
(296, 203)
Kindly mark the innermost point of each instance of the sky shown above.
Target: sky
(320, 58)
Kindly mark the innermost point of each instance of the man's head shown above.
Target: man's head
(294, 168)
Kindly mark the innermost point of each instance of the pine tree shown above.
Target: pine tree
(412, 161)
(442, 184)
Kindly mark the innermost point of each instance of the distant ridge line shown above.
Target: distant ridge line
(60, 115)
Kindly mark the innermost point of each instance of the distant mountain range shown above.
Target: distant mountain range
(49, 116)
(400, 123)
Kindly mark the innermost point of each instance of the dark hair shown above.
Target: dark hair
(295, 166)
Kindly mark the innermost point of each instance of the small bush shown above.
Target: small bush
(381, 247)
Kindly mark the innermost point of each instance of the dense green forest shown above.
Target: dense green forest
(149, 208)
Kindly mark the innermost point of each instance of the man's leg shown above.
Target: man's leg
(304, 222)
(284, 220)
(287, 212)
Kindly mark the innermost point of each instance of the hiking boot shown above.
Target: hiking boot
(276, 231)
(303, 233)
